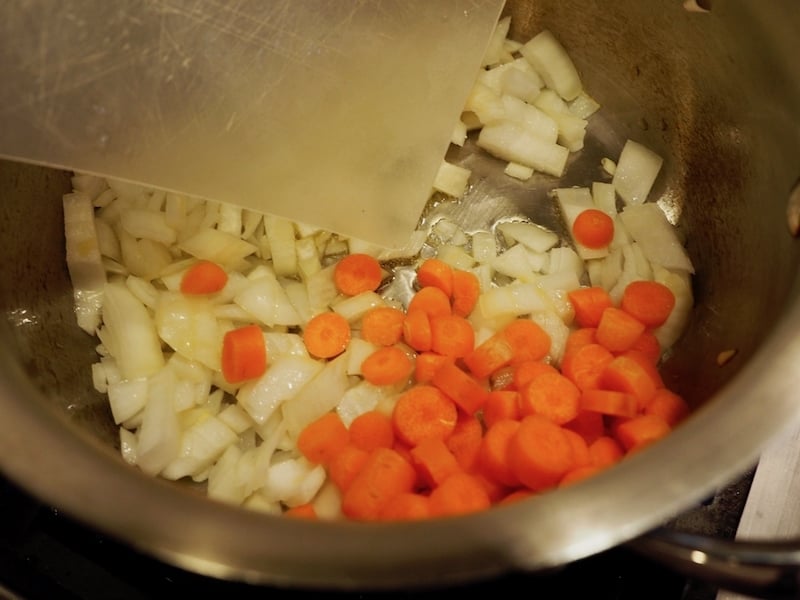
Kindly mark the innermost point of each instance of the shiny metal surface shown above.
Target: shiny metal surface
(717, 93)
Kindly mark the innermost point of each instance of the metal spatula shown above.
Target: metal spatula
(335, 114)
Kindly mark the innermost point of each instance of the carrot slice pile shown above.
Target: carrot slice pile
(494, 422)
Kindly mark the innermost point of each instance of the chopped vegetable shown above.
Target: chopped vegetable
(326, 335)
(244, 354)
(356, 273)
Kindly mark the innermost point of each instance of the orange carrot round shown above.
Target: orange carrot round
(417, 330)
(459, 494)
(618, 330)
(589, 304)
(423, 412)
(370, 430)
(434, 461)
(609, 402)
(468, 393)
(465, 440)
(551, 396)
(426, 364)
(466, 291)
(384, 475)
(323, 438)
(527, 339)
(580, 337)
(638, 432)
(302, 511)
(593, 228)
(648, 345)
(346, 464)
(650, 302)
(588, 424)
(668, 405)
(326, 335)
(501, 405)
(493, 456)
(244, 354)
(540, 453)
(406, 506)
(383, 325)
(357, 273)
(625, 374)
(437, 273)
(605, 451)
(203, 277)
(493, 353)
(386, 366)
(584, 366)
(433, 301)
(452, 335)
(579, 474)
(528, 370)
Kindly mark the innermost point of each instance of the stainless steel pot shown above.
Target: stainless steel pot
(717, 93)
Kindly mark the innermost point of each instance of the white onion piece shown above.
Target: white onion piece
(132, 338)
(217, 246)
(552, 62)
(189, 326)
(494, 49)
(669, 333)
(513, 299)
(148, 224)
(84, 261)
(127, 398)
(451, 179)
(558, 331)
(159, 437)
(266, 300)
(656, 236)
(485, 103)
(636, 172)
(539, 123)
(518, 171)
(201, 445)
(224, 483)
(514, 142)
(282, 380)
(281, 235)
(531, 235)
(523, 84)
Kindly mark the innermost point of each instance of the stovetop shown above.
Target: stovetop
(47, 555)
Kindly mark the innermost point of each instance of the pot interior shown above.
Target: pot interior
(713, 92)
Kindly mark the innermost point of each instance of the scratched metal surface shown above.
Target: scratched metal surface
(330, 113)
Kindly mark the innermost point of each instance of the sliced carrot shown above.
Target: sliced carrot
(625, 374)
(423, 412)
(203, 277)
(452, 335)
(490, 355)
(326, 335)
(417, 330)
(493, 456)
(494, 489)
(357, 273)
(647, 364)
(648, 344)
(580, 337)
(459, 494)
(650, 302)
(593, 228)
(540, 453)
(384, 475)
(501, 405)
(466, 291)
(580, 449)
(426, 364)
(386, 366)
(302, 511)
(584, 365)
(345, 465)
(437, 273)
(323, 438)
(467, 392)
(618, 330)
(516, 496)
(383, 325)
(502, 379)
(638, 432)
(372, 429)
(588, 424)
(406, 506)
(579, 474)
(527, 339)
(244, 354)
(465, 440)
(434, 461)
(528, 370)
(668, 405)
(431, 300)
(605, 451)
(551, 396)
(589, 304)
(609, 402)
